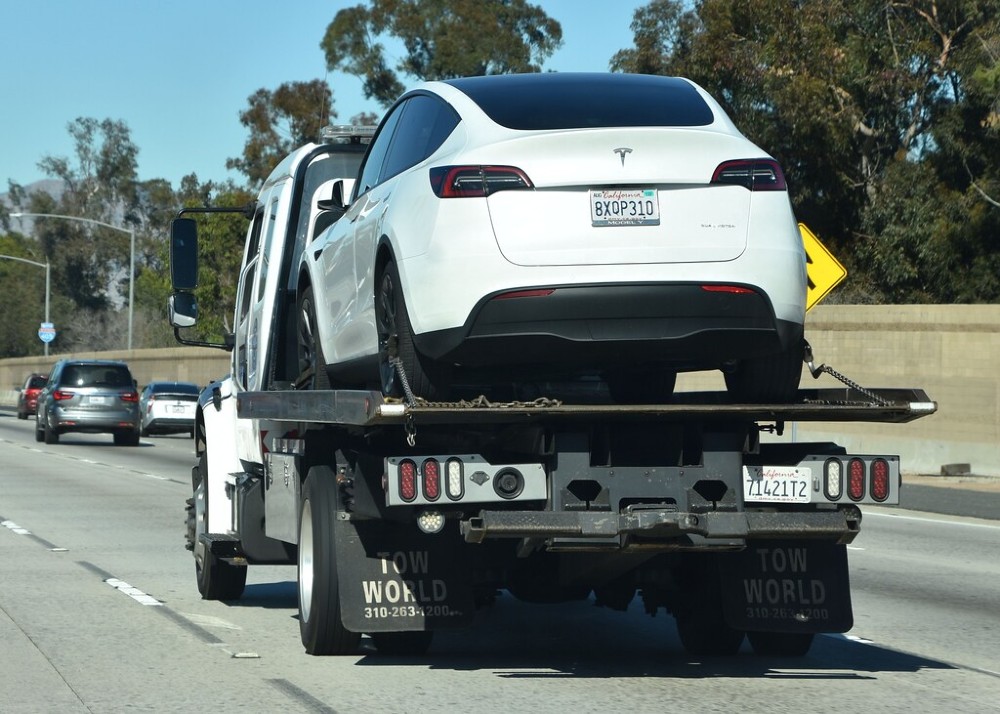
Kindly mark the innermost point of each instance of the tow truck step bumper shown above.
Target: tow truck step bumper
(841, 525)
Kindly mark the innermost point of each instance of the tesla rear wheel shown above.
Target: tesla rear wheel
(770, 379)
(395, 339)
(312, 364)
(217, 579)
(320, 624)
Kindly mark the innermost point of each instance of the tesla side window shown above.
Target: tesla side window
(376, 153)
(424, 126)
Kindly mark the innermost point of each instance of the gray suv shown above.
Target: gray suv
(92, 396)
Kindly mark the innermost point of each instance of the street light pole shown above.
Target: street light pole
(131, 262)
(48, 285)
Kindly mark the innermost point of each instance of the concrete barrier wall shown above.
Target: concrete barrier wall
(948, 350)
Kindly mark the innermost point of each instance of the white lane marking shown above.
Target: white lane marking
(135, 593)
(939, 521)
(209, 621)
(10, 525)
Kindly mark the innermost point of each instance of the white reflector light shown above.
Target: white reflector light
(430, 521)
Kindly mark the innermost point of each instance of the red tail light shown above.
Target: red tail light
(856, 479)
(754, 174)
(476, 181)
(407, 480)
(734, 289)
(129, 397)
(431, 479)
(880, 479)
(59, 395)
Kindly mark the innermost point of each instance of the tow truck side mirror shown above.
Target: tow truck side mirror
(183, 310)
(183, 254)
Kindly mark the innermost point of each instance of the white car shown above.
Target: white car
(168, 408)
(510, 232)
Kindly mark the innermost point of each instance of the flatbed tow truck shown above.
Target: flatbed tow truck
(404, 517)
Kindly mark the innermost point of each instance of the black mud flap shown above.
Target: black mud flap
(787, 586)
(394, 578)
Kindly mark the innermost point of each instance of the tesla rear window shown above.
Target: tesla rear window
(584, 100)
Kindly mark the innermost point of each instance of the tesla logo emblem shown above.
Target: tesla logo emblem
(621, 153)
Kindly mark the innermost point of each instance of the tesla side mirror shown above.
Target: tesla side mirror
(183, 310)
(183, 254)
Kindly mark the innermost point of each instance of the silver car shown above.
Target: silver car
(89, 396)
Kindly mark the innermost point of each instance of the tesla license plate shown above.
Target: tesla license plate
(777, 484)
(625, 207)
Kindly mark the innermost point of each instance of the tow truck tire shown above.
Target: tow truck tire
(706, 634)
(772, 379)
(392, 322)
(218, 579)
(320, 623)
(310, 352)
(402, 643)
(781, 644)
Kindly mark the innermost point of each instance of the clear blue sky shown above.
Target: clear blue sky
(178, 72)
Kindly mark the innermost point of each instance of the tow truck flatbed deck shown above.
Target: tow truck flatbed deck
(369, 408)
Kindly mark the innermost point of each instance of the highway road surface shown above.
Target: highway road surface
(99, 613)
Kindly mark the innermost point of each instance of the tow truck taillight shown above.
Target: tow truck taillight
(407, 480)
(431, 479)
(476, 181)
(754, 174)
(856, 479)
(834, 479)
(454, 483)
(880, 480)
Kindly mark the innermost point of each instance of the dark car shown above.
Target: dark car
(89, 396)
(168, 407)
(27, 397)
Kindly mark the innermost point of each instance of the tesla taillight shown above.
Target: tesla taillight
(476, 181)
(60, 396)
(754, 174)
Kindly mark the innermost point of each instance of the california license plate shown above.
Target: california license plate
(777, 484)
(97, 400)
(625, 207)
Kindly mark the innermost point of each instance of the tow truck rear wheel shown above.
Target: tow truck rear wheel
(402, 643)
(320, 623)
(218, 579)
(781, 644)
(705, 633)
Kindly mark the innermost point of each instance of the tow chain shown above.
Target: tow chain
(480, 402)
(817, 371)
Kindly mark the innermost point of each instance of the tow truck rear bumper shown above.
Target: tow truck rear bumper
(840, 526)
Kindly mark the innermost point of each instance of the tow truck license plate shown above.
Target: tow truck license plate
(625, 207)
(777, 484)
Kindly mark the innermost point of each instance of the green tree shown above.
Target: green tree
(22, 289)
(279, 121)
(861, 101)
(442, 39)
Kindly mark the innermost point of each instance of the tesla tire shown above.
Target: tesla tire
(395, 338)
